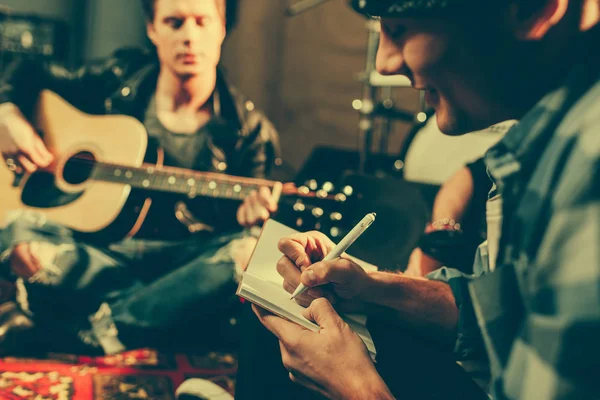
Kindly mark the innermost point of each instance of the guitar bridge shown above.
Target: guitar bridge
(184, 215)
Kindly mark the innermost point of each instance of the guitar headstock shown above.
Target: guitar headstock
(315, 206)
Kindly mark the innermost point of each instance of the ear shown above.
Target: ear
(151, 32)
(535, 26)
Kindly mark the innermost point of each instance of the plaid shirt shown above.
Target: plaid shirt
(538, 313)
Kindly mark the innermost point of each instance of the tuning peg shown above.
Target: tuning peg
(334, 232)
(335, 216)
(303, 190)
(317, 212)
(299, 206)
(328, 187)
(322, 194)
(341, 197)
(348, 190)
(312, 184)
(299, 222)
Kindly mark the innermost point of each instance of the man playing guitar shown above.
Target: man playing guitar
(174, 274)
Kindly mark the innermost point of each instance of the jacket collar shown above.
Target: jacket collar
(134, 94)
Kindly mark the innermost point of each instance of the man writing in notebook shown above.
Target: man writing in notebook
(172, 282)
(535, 306)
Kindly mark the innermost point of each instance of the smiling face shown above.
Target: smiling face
(464, 79)
(188, 35)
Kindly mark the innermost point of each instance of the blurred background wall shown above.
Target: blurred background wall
(301, 71)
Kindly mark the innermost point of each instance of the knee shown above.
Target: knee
(241, 251)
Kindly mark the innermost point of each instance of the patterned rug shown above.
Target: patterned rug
(138, 374)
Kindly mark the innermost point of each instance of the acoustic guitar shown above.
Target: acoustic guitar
(105, 175)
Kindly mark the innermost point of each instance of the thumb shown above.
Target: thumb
(321, 312)
(337, 271)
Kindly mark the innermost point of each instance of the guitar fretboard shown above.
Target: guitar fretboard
(174, 180)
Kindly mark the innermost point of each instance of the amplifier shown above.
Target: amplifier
(31, 35)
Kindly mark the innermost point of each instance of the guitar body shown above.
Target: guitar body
(62, 193)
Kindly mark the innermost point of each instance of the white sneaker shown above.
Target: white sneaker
(201, 389)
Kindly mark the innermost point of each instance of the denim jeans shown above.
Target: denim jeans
(131, 294)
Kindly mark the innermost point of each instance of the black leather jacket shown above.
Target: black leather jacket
(124, 84)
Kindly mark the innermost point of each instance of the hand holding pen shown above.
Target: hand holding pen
(344, 278)
(343, 245)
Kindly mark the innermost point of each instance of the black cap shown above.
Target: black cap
(399, 8)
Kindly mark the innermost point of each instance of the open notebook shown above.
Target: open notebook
(262, 285)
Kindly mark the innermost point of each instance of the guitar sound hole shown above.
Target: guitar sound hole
(78, 168)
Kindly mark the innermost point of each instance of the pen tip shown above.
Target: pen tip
(374, 214)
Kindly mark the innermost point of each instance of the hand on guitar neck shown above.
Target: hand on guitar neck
(259, 205)
(20, 145)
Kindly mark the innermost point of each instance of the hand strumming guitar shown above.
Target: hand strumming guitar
(19, 142)
(258, 206)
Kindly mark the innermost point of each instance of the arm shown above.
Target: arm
(451, 202)
(462, 199)
(454, 197)
(421, 305)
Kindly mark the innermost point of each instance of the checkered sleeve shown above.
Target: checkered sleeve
(557, 351)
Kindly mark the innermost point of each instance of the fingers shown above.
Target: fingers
(288, 270)
(322, 313)
(42, 151)
(283, 329)
(291, 280)
(18, 137)
(295, 248)
(266, 199)
(24, 162)
(276, 192)
(35, 150)
(241, 216)
(305, 248)
(24, 262)
(257, 207)
(249, 215)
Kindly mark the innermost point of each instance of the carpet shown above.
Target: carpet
(138, 374)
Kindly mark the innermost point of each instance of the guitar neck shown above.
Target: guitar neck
(180, 181)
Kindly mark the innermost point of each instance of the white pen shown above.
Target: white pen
(342, 246)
